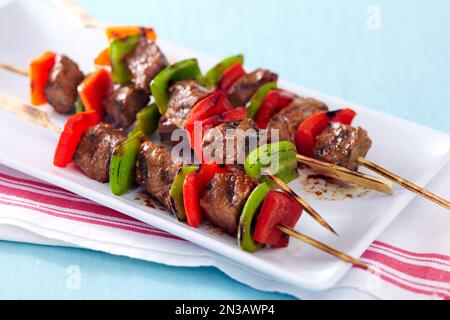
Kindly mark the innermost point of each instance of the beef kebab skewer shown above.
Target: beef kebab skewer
(159, 175)
(323, 135)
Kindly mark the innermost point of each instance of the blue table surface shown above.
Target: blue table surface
(393, 57)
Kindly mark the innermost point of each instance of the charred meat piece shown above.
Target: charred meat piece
(184, 96)
(225, 198)
(243, 90)
(123, 104)
(61, 90)
(145, 62)
(156, 172)
(93, 155)
(342, 145)
(289, 119)
(230, 143)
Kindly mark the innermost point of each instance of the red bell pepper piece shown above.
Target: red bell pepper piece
(191, 200)
(344, 116)
(103, 59)
(71, 136)
(275, 101)
(94, 89)
(316, 124)
(230, 76)
(278, 209)
(40, 69)
(213, 104)
(238, 114)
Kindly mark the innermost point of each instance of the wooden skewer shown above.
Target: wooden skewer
(340, 255)
(30, 113)
(87, 20)
(404, 183)
(14, 69)
(344, 174)
(313, 213)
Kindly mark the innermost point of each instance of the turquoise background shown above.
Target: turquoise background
(402, 68)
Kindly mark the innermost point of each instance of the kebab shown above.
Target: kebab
(130, 63)
(337, 147)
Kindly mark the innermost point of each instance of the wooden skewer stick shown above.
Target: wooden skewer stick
(340, 255)
(313, 213)
(87, 20)
(30, 113)
(404, 183)
(14, 69)
(344, 174)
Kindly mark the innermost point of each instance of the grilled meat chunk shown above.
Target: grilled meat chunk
(184, 96)
(61, 90)
(225, 198)
(123, 104)
(230, 143)
(145, 62)
(156, 172)
(243, 90)
(289, 119)
(93, 154)
(342, 145)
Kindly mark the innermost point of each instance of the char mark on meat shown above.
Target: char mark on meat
(156, 172)
(93, 155)
(145, 62)
(243, 90)
(184, 96)
(224, 199)
(61, 89)
(123, 104)
(289, 119)
(342, 145)
(231, 143)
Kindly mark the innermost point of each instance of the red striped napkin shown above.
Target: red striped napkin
(412, 257)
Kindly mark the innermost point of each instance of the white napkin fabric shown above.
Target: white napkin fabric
(412, 256)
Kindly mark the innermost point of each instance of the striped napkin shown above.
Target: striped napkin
(412, 257)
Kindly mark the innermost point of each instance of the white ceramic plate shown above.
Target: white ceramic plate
(27, 28)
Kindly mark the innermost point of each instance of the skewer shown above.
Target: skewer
(23, 110)
(85, 18)
(323, 247)
(14, 69)
(344, 174)
(313, 213)
(404, 183)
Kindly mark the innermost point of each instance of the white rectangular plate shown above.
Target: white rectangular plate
(27, 28)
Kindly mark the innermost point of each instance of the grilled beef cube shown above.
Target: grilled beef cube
(342, 145)
(225, 198)
(233, 147)
(93, 154)
(243, 90)
(289, 119)
(184, 96)
(156, 172)
(145, 62)
(61, 90)
(123, 104)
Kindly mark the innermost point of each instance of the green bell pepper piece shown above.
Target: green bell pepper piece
(213, 76)
(247, 220)
(147, 120)
(176, 193)
(79, 107)
(118, 50)
(285, 167)
(123, 164)
(257, 100)
(183, 70)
